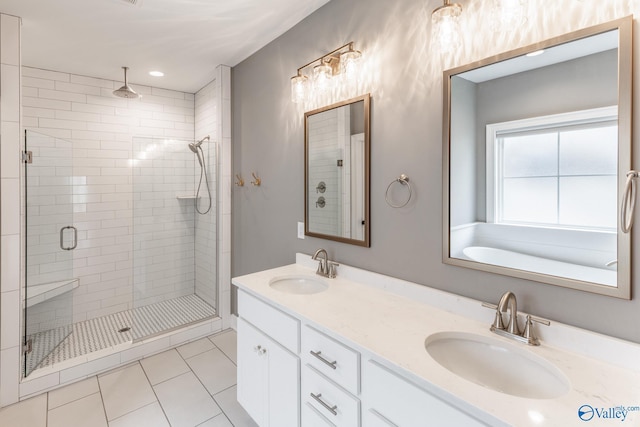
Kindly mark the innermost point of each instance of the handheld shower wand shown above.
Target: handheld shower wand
(196, 148)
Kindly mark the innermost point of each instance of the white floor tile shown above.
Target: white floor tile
(147, 416)
(126, 398)
(219, 421)
(195, 348)
(214, 369)
(185, 401)
(164, 366)
(85, 412)
(228, 401)
(125, 390)
(228, 343)
(28, 413)
(73, 392)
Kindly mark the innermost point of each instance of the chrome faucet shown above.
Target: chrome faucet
(322, 265)
(326, 268)
(512, 330)
(508, 301)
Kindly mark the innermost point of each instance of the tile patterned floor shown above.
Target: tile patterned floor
(102, 332)
(193, 385)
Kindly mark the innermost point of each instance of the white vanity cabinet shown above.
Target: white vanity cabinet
(268, 372)
(290, 373)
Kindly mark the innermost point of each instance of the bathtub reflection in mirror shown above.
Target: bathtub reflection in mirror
(537, 145)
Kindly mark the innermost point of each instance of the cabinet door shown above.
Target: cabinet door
(252, 372)
(268, 379)
(284, 387)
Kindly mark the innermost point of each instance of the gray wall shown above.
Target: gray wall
(464, 153)
(406, 137)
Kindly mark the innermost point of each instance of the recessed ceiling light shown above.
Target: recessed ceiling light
(156, 73)
(536, 53)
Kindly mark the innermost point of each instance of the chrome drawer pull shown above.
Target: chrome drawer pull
(323, 360)
(317, 398)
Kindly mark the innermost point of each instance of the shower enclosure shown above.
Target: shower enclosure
(115, 249)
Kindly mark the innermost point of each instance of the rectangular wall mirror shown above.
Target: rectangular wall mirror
(337, 146)
(537, 144)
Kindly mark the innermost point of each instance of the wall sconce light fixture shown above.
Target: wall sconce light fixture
(446, 26)
(342, 62)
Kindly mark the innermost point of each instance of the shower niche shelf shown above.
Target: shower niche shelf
(186, 196)
(46, 291)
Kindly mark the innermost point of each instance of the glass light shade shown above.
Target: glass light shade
(349, 62)
(322, 77)
(298, 84)
(509, 14)
(446, 26)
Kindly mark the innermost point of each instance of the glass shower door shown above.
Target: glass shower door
(50, 240)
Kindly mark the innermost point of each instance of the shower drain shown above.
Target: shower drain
(125, 329)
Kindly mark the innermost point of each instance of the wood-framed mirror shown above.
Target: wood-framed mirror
(337, 147)
(536, 147)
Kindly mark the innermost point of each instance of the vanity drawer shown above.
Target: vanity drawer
(312, 418)
(390, 400)
(335, 360)
(273, 322)
(333, 402)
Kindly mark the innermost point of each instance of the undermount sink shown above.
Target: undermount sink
(302, 285)
(496, 365)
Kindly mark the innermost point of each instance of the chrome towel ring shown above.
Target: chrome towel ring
(404, 180)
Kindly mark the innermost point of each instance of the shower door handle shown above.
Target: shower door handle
(75, 238)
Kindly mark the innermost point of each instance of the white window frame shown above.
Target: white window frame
(494, 130)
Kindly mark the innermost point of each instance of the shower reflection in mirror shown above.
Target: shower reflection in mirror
(336, 171)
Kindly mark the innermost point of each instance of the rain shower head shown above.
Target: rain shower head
(126, 91)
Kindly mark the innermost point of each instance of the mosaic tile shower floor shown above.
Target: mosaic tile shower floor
(103, 332)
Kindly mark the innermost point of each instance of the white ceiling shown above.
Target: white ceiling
(186, 39)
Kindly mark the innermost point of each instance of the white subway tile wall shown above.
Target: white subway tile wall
(223, 124)
(163, 225)
(206, 113)
(326, 148)
(9, 207)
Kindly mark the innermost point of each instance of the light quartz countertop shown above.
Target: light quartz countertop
(390, 318)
